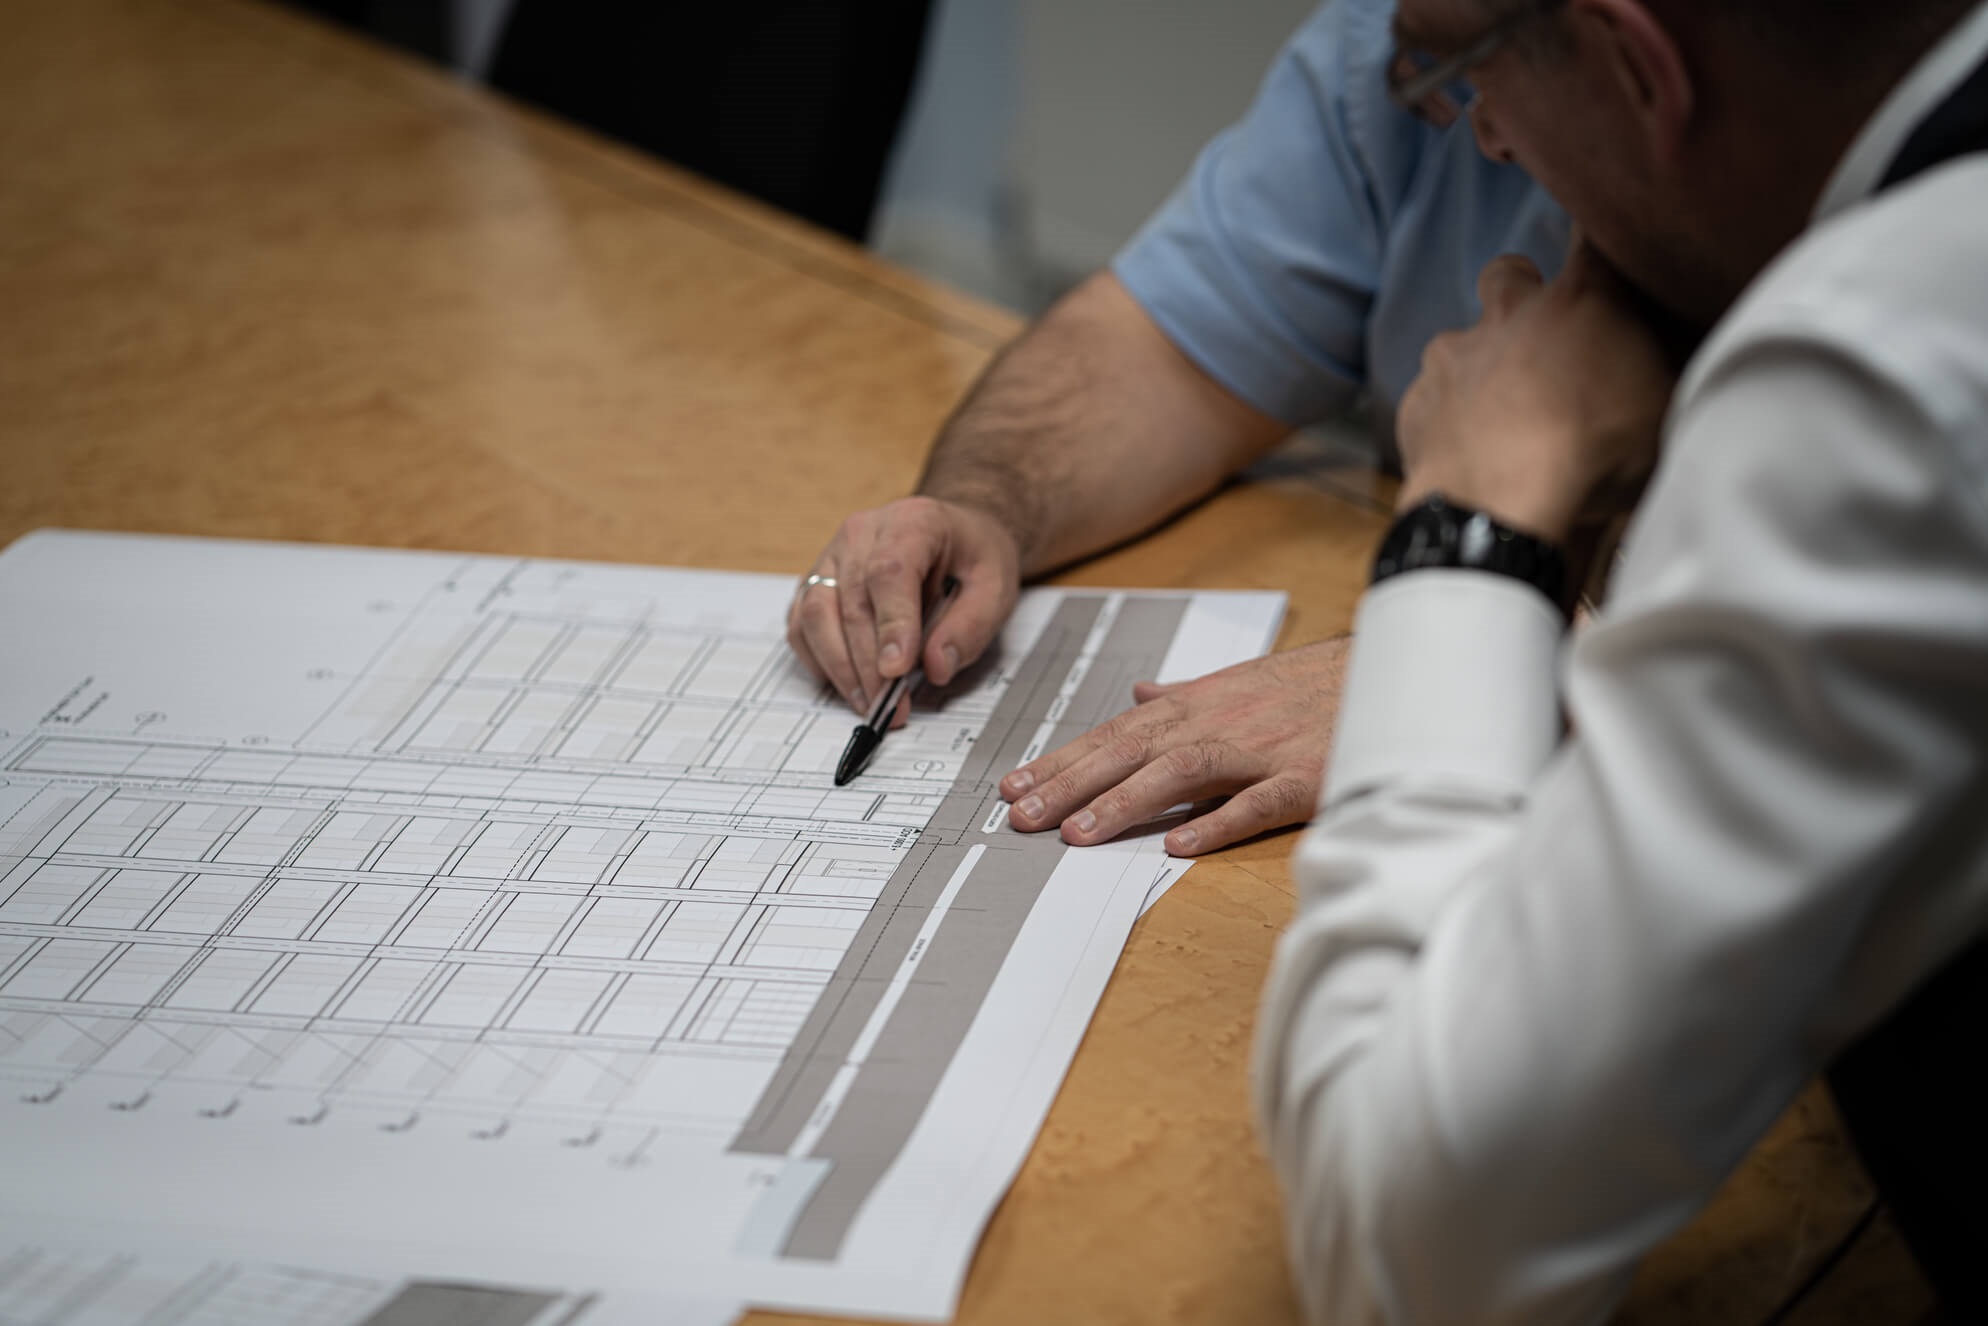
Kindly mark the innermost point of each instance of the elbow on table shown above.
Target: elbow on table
(1330, 1264)
(1334, 1177)
(1380, 1230)
(1359, 1260)
(1385, 1231)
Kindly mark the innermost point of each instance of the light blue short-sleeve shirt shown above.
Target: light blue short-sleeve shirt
(1319, 244)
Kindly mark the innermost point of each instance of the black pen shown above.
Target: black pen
(869, 734)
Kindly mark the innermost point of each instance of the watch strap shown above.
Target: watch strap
(1438, 533)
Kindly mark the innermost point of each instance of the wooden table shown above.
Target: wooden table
(260, 279)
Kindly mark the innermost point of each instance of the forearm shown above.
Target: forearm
(1091, 429)
(1426, 786)
(1536, 1001)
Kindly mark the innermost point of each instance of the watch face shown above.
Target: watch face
(1436, 533)
(1475, 539)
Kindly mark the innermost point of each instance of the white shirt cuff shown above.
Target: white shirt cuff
(1452, 681)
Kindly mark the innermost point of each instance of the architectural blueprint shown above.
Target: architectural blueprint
(63, 1286)
(498, 920)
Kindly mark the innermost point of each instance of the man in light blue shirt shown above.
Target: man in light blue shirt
(1311, 254)
(1319, 244)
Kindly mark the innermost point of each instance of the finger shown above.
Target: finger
(969, 625)
(1258, 808)
(894, 585)
(859, 636)
(1043, 790)
(1506, 282)
(902, 714)
(804, 655)
(1182, 773)
(797, 638)
(1135, 733)
(1087, 771)
(797, 634)
(821, 645)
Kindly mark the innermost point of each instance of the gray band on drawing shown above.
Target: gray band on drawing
(427, 1304)
(903, 1070)
(885, 936)
(917, 1044)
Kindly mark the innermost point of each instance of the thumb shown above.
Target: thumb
(1505, 283)
(967, 627)
(1143, 691)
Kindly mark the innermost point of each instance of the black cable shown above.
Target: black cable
(1836, 1255)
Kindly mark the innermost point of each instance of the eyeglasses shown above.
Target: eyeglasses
(1433, 87)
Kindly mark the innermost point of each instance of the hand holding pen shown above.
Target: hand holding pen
(869, 734)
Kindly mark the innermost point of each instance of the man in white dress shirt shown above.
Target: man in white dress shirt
(1579, 918)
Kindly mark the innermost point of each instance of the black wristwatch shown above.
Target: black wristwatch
(1437, 533)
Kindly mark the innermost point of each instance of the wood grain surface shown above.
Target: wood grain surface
(261, 279)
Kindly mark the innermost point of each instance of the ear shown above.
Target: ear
(1648, 67)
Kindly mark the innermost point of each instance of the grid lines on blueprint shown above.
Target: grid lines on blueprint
(525, 857)
(374, 910)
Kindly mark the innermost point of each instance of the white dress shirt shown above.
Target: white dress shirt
(1544, 989)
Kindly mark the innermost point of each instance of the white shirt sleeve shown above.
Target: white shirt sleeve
(1542, 994)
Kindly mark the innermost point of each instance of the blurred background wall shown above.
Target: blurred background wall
(1042, 132)
(1038, 134)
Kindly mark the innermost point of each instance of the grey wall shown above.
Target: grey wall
(1044, 131)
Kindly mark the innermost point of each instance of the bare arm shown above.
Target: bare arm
(1091, 429)
(1086, 431)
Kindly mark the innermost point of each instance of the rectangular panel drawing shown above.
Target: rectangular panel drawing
(523, 888)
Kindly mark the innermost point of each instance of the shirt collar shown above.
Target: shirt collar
(1884, 134)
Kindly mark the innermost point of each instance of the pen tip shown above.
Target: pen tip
(862, 744)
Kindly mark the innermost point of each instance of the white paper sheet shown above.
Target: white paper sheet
(497, 920)
(50, 1285)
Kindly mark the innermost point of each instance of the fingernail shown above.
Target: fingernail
(1021, 780)
(1031, 808)
(888, 656)
(1183, 840)
(860, 700)
(951, 656)
(1083, 821)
